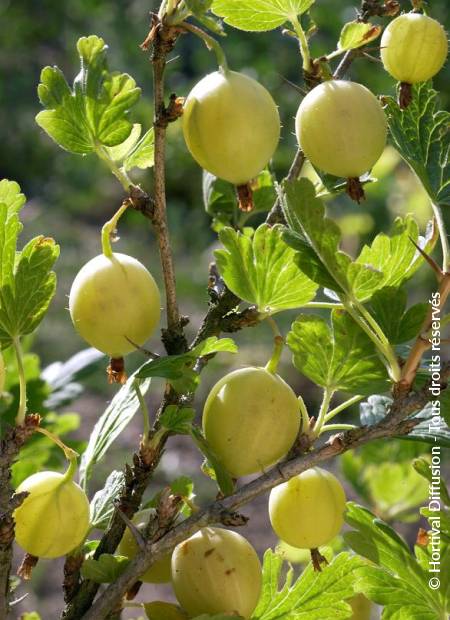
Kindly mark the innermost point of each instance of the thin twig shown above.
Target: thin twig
(163, 43)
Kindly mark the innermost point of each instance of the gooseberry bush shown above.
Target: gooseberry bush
(355, 334)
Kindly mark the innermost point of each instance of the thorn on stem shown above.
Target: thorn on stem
(140, 541)
(146, 352)
(434, 266)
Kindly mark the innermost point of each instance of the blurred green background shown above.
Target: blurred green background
(70, 197)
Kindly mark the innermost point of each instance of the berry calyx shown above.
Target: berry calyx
(54, 518)
(160, 571)
(114, 303)
(341, 128)
(231, 126)
(307, 511)
(242, 411)
(216, 571)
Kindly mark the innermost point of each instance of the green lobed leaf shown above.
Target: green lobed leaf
(395, 580)
(315, 237)
(178, 369)
(11, 196)
(262, 270)
(388, 307)
(121, 151)
(421, 134)
(35, 283)
(338, 357)
(356, 34)
(11, 202)
(314, 596)
(142, 155)
(102, 504)
(389, 261)
(178, 419)
(111, 423)
(27, 283)
(394, 257)
(94, 113)
(107, 569)
(259, 15)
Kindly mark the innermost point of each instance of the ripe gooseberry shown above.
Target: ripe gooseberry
(216, 571)
(341, 128)
(413, 48)
(307, 510)
(114, 304)
(160, 571)
(231, 126)
(251, 419)
(54, 518)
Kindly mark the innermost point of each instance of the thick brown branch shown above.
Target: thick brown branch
(10, 446)
(394, 424)
(423, 343)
